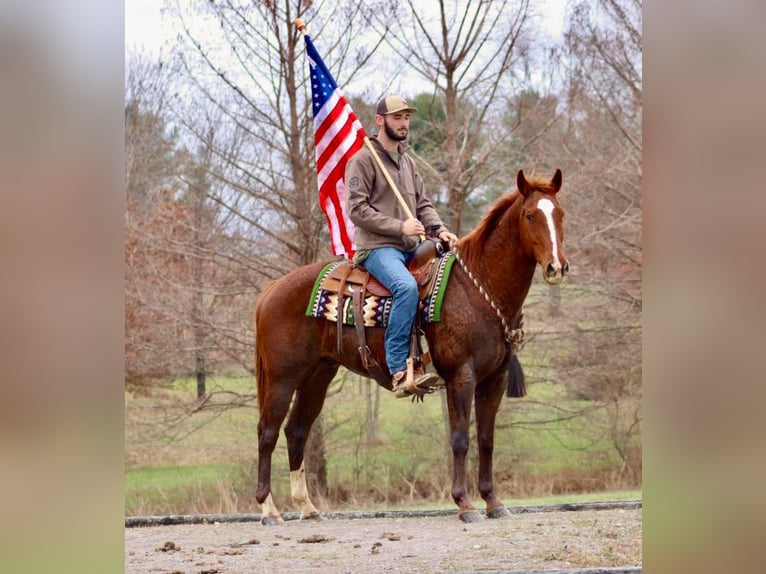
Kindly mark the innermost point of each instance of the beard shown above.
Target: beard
(391, 133)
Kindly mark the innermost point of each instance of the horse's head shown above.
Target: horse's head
(541, 223)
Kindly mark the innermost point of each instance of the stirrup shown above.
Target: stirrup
(418, 384)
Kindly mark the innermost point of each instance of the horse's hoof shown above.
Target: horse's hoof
(315, 516)
(470, 516)
(270, 520)
(498, 512)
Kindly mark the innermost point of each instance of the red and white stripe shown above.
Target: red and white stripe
(338, 134)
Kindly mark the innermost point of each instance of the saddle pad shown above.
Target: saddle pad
(324, 304)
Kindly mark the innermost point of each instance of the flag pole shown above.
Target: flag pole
(302, 29)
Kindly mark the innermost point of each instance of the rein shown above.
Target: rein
(513, 336)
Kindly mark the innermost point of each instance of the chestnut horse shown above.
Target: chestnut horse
(297, 356)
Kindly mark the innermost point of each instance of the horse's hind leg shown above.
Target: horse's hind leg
(306, 408)
(488, 398)
(272, 413)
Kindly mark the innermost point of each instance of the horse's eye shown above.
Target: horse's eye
(530, 217)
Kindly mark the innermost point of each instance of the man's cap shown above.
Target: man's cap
(393, 104)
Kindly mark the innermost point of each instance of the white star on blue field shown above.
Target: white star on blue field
(322, 82)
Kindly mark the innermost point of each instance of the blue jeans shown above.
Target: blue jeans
(389, 266)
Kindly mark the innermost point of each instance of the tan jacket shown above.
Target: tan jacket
(373, 206)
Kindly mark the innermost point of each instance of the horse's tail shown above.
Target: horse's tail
(260, 379)
(517, 386)
(260, 361)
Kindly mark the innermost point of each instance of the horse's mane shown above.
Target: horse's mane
(471, 246)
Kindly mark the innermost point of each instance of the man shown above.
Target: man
(386, 237)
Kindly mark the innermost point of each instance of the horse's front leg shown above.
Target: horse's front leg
(488, 398)
(460, 392)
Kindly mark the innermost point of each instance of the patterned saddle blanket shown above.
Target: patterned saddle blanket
(327, 302)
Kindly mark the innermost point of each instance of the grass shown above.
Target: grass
(528, 438)
(167, 478)
(172, 487)
(205, 462)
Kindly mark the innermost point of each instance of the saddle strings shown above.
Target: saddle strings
(513, 336)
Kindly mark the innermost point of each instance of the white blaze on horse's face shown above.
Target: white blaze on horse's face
(553, 272)
(546, 206)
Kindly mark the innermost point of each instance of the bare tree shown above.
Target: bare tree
(149, 141)
(602, 148)
(466, 51)
(183, 297)
(603, 139)
(605, 41)
(150, 166)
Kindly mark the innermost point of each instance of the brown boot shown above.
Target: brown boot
(418, 384)
(398, 380)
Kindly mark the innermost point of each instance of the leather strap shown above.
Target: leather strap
(345, 273)
(357, 302)
(368, 361)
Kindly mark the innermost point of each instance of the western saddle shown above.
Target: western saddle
(351, 280)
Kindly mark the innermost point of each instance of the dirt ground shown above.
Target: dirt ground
(521, 542)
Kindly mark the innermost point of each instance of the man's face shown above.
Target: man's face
(397, 125)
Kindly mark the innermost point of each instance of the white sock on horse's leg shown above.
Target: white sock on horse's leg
(300, 493)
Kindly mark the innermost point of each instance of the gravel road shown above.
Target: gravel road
(601, 540)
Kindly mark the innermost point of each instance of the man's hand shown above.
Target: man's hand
(412, 226)
(450, 238)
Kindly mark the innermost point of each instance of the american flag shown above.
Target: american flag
(338, 134)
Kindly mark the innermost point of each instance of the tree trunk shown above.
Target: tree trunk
(201, 375)
(315, 461)
(199, 191)
(372, 398)
(554, 300)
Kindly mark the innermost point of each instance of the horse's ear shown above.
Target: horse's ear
(556, 181)
(521, 183)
